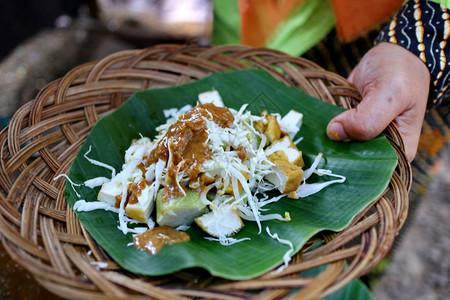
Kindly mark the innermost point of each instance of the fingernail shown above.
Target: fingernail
(336, 132)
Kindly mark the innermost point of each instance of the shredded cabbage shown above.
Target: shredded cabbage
(99, 163)
(287, 254)
(82, 205)
(307, 189)
(97, 181)
(183, 227)
(245, 177)
(72, 184)
(99, 264)
(227, 241)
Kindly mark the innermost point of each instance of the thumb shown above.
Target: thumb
(366, 121)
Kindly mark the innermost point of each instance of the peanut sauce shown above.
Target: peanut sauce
(242, 153)
(134, 190)
(142, 167)
(185, 143)
(154, 239)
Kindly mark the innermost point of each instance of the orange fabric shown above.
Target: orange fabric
(356, 17)
(259, 19)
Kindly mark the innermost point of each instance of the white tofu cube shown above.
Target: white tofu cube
(291, 123)
(211, 97)
(141, 210)
(109, 191)
(289, 149)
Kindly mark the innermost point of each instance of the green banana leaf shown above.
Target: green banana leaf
(367, 166)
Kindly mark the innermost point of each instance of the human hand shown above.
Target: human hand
(394, 85)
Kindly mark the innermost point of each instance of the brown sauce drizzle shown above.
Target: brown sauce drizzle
(154, 239)
(185, 142)
(134, 190)
(242, 153)
(142, 167)
(118, 200)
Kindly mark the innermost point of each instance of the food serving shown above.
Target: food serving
(259, 246)
(209, 165)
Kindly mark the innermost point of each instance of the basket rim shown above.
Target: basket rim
(54, 105)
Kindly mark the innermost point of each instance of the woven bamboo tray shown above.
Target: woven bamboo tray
(41, 232)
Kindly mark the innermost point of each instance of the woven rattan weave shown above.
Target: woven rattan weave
(41, 232)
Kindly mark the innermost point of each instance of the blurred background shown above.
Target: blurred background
(42, 40)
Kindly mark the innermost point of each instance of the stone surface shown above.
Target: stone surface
(420, 264)
(48, 56)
